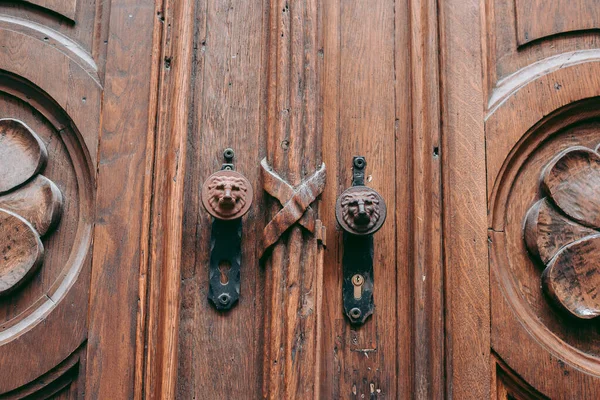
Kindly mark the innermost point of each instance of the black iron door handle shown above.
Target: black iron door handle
(227, 196)
(361, 212)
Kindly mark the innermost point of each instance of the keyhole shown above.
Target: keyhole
(224, 267)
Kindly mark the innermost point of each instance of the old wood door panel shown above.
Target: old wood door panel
(61, 191)
(534, 146)
(300, 82)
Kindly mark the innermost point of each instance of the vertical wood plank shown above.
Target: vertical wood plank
(427, 345)
(465, 202)
(294, 152)
(220, 352)
(360, 119)
(167, 202)
(122, 163)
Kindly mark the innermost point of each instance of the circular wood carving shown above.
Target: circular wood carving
(39, 202)
(572, 278)
(527, 229)
(572, 180)
(227, 195)
(360, 210)
(22, 154)
(30, 204)
(21, 250)
(558, 231)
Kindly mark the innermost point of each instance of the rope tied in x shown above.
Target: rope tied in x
(296, 203)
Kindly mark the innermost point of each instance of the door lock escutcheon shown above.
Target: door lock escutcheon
(226, 195)
(361, 212)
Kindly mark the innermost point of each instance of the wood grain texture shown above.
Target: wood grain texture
(61, 383)
(293, 151)
(21, 251)
(39, 202)
(507, 385)
(359, 95)
(66, 8)
(563, 243)
(547, 230)
(120, 208)
(54, 301)
(571, 181)
(571, 278)
(538, 19)
(521, 312)
(537, 107)
(465, 214)
(22, 154)
(425, 250)
(164, 265)
(295, 202)
(509, 65)
(220, 354)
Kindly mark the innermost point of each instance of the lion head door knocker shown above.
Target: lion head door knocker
(227, 196)
(361, 212)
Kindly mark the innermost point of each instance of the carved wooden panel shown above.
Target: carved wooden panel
(49, 124)
(507, 385)
(542, 127)
(66, 8)
(511, 65)
(558, 230)
(544, 277)
(30, 204)
(541, 18)
(51, 205)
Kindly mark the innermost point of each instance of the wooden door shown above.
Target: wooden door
(289, 86)
(520, 100)
(76, 85)
(479, 124)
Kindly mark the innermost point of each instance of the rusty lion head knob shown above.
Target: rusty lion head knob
(360, 210)
(227, 194)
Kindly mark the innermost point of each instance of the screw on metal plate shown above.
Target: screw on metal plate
(227, 196)
(360, 212)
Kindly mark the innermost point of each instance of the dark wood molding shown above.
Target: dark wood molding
(158, 322)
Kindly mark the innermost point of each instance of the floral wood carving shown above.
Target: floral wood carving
(562, 230)
(30, 203)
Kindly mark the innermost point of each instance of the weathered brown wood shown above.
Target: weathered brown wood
(506, 385)
(547, 230)
(541, 101)
(39, 202)
(164, 264)
(568, 249)
(537, 19)
(458, 110)
(360, 119)
(22, 154)
(466, 277)
(572, 182)
(21, 251)
(295, 202)
(422, 246)
(220, 354)
(66, 8)
(294, 152)
(49, 83)
(572, 278)
(122, 200)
